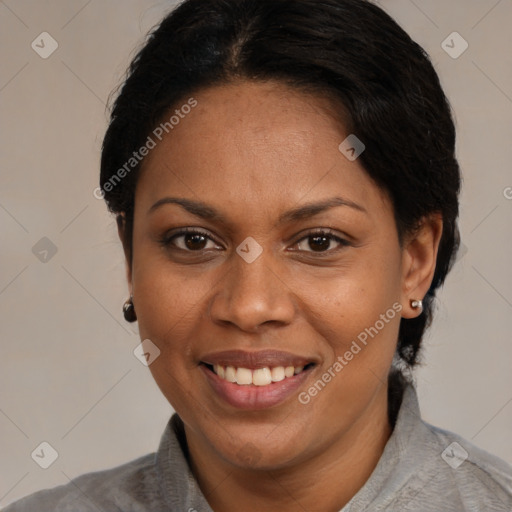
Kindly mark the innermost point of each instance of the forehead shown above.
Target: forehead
(256, 145)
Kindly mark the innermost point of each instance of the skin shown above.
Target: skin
(254, 151)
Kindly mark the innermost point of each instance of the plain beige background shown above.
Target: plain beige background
(68, 374)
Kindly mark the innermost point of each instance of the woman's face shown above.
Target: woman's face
(261, 172)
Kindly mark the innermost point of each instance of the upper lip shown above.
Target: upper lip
(254, 360)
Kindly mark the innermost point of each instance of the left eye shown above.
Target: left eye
(320, 241)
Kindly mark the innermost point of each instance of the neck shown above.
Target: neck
(326, 481)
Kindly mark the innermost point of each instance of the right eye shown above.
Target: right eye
(188, 240)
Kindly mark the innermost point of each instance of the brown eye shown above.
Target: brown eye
(320, 242)
(189, 240)
(194, 242)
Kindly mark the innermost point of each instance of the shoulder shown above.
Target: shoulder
(427, 468)
(129, 487)
(474, 478)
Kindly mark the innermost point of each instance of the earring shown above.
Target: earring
(417, 304)
(129, 311)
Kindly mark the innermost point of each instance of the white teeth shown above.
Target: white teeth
(259, 377)
(289, 371)
(219, 370)
(230, 374)
(243, 376)
(277, 374)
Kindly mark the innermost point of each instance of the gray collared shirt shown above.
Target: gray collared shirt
(422, 469)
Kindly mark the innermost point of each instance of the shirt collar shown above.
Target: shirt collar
(177, 483)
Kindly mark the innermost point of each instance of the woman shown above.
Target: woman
(284, 178)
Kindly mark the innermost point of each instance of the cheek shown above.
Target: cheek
(355, 296)
(359, 325)
(168, 307)
(168, 304)
(164, 292)
(357, 312)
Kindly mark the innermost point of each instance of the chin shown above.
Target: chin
(258, 452)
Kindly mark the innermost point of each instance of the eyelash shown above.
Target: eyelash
(167, 241)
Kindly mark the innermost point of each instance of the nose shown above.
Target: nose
(250, 295)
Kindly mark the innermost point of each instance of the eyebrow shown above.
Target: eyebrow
(202, 210)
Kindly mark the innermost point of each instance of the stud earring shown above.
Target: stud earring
(417, 304)
(129, 311)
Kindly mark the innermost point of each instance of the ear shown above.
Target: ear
(121, 231)
(419, 257)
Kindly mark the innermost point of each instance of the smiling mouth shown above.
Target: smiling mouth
(265, 376)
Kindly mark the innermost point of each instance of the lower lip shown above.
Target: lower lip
(255, 397)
